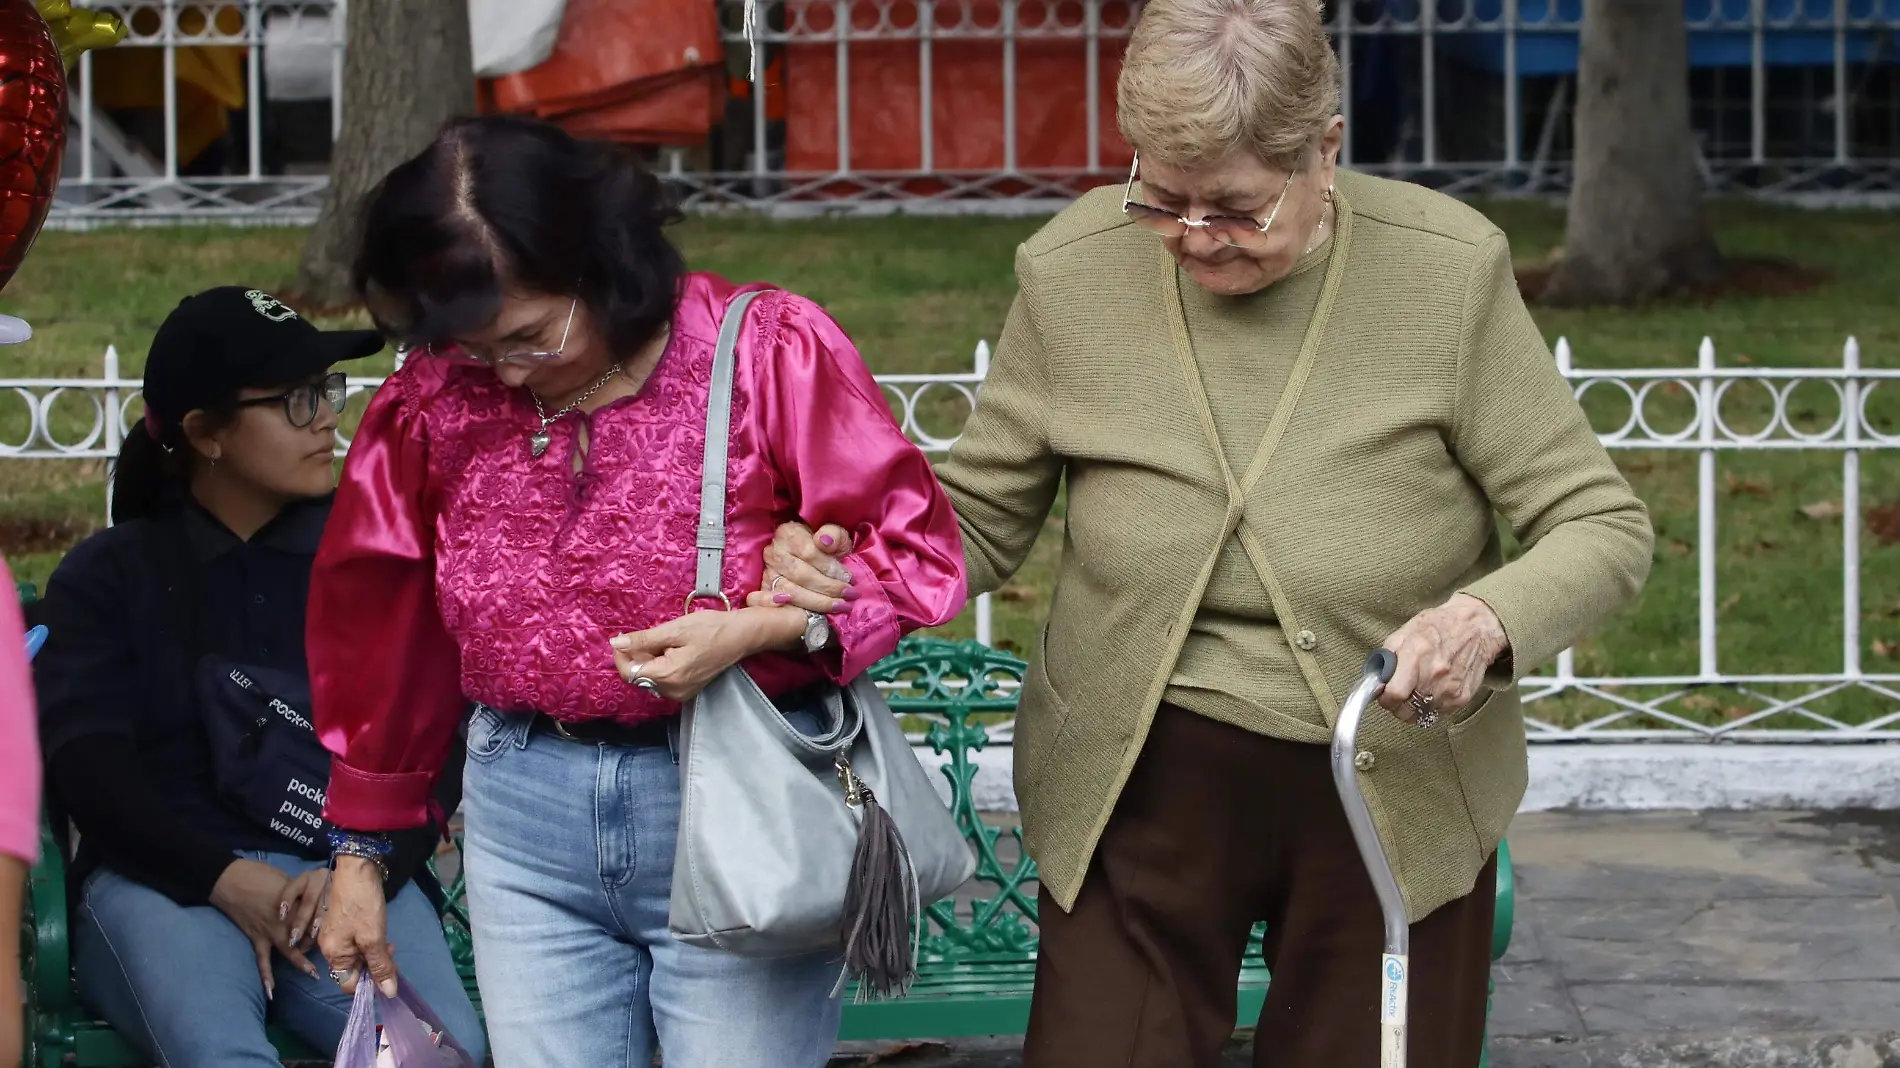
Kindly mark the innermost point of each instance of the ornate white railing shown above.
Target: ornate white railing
(1710, 427)
(1793, 97)
(86, 418)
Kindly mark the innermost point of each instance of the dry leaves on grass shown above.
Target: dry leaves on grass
(1823, 511)
(1016, 593)
(1886, 650)
(1709, 702)
(1739, 486)
(1884, 523)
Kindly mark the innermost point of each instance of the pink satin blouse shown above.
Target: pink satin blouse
(457, 566)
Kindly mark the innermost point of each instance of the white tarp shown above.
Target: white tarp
(507, 37)
(510, 36)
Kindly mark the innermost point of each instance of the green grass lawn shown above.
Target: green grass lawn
(917, 294)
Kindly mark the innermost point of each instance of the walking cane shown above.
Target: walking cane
(1393, 978)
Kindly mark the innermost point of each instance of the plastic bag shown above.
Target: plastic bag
(409, 1036)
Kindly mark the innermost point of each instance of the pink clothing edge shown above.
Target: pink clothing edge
(19, 735)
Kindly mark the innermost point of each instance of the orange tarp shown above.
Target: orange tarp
(966, 99)
(649, 71)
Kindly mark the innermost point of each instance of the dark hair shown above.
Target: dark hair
(502, 200)
(153, 472)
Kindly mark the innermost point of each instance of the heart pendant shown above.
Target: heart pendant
(540, 442)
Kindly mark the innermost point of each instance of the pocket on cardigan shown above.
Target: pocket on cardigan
(1493, 770)
(1036, 733)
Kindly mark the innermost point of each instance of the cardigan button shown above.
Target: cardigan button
(1306, 640)
(1364, 760)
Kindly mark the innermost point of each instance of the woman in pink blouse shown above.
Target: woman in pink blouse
(519, 511)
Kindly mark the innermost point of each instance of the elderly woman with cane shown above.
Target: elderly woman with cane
(1289, 403)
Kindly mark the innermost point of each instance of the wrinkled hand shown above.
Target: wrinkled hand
(1444, 652)
(252, 894)
(355, 930)
(683, 655)
(803, 568)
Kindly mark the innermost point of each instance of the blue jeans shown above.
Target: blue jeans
(570, 866)
(181, 983)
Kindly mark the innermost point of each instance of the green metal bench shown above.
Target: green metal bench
(979, 948)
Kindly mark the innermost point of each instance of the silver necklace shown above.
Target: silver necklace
(539, 443)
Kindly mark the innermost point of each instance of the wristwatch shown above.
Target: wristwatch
(817, 632)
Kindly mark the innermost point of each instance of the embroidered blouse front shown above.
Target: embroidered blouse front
(458, 566)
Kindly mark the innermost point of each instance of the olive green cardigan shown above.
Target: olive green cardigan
(1422, 400)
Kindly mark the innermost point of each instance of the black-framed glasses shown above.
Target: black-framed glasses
(448, 350)
(301, 402)
(1236, 231)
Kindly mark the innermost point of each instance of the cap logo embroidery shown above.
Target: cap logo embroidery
(270, 307)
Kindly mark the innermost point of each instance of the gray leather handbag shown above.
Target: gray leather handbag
(791, 843)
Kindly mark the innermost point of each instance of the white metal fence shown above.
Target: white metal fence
(1704, 410)
(1791, 98)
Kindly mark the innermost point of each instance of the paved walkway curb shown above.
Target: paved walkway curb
(1876, 1050)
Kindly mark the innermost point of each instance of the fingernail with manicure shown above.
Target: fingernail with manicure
(839, 606)
(270, 992)
(388, 987)
(850, 593)
(782, 598)
(283, 910)
(826, 541)
(295, 934)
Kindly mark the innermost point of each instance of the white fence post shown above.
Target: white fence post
(1566, 660)
(1705, 501)
(1850, 511)
(114, 435)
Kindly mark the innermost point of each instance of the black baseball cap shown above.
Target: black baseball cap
(231, 338)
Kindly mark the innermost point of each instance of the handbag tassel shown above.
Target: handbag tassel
(881, 907)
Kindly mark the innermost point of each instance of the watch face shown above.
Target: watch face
(817, 632)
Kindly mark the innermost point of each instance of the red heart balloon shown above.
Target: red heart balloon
(32, 129)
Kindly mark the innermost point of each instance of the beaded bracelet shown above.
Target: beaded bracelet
(374, 848)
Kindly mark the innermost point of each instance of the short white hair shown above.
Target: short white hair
(1204, 79)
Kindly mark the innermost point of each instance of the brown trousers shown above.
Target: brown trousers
(1217, 828)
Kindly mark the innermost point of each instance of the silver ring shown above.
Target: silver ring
(776, 579)
(646, 684)
(338, 977)
(1428, 719)
(1424, 705)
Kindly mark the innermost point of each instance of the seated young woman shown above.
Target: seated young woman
(174, 707)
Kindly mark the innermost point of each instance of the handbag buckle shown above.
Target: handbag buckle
(853, 786)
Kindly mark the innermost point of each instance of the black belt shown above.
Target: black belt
(652, 732)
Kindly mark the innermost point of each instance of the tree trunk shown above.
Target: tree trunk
(407, 69)
(1636, 227)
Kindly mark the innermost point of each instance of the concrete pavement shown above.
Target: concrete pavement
(1670, 940)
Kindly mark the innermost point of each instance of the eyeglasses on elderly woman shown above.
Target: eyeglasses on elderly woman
(1237, 231)
(449, 350)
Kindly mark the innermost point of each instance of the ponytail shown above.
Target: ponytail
(144, 476)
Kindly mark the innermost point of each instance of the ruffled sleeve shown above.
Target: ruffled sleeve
(831, 437)
(384, 672)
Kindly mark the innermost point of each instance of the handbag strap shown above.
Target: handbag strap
(711, 538)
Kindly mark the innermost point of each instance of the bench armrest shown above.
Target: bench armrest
(50, 973)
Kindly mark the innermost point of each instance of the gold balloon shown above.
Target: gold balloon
(77, 30)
